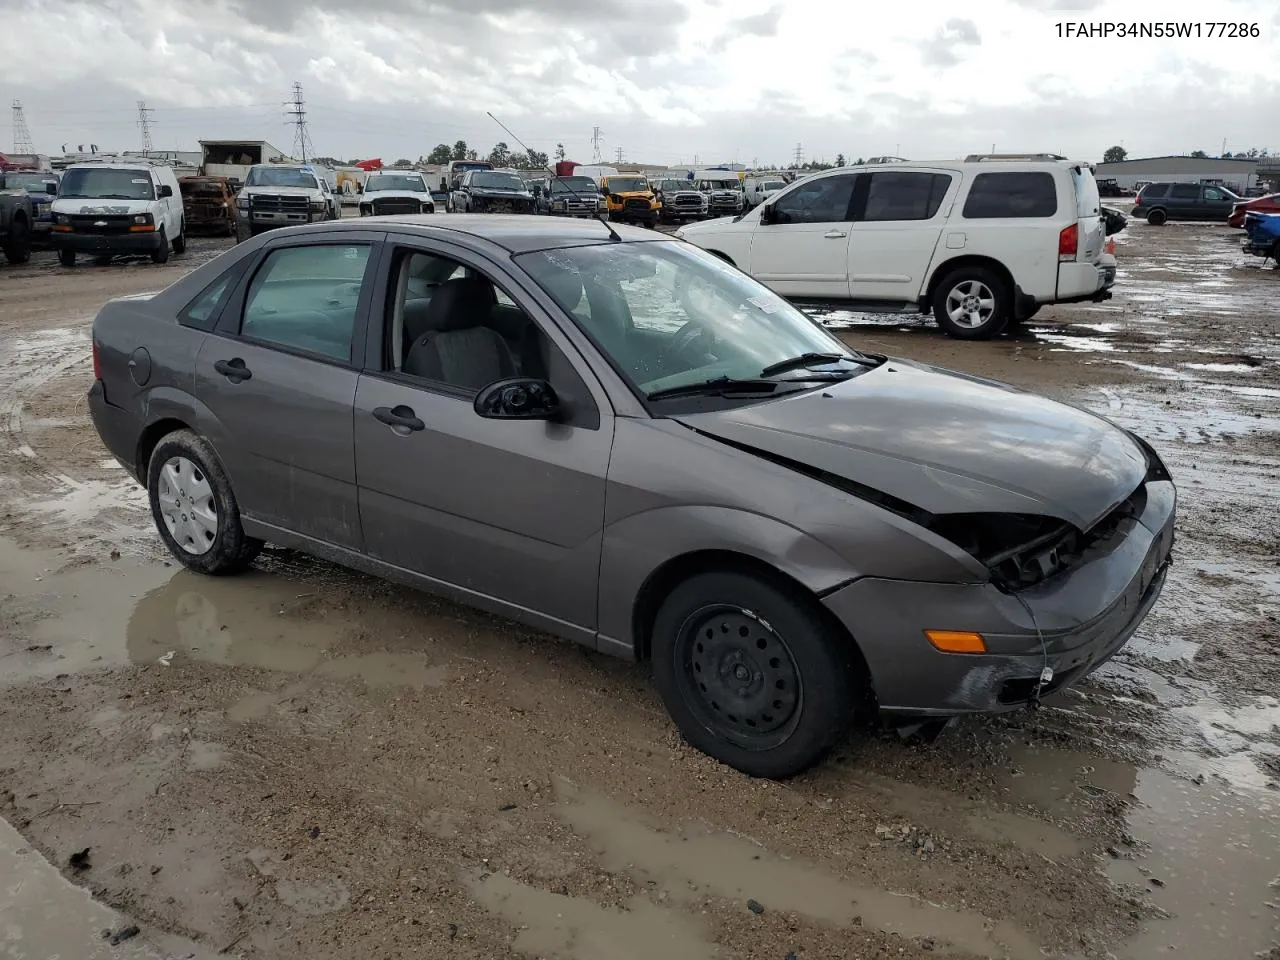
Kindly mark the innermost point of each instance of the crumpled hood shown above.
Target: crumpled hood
(945, 443)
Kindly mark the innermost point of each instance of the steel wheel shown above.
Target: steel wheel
(187, 505)
(738, 676)
(971, 304)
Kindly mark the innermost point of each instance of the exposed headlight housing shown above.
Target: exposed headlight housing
(242, 203)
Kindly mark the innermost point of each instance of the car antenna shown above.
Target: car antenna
(613, 234)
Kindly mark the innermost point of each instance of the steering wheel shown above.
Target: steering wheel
(690, 336)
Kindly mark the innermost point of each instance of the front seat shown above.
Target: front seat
(456, 347)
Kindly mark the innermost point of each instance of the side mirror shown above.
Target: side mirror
(768, 214)
(51, 188)
(518, 398)
(166, 191)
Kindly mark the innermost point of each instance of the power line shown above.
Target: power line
(144, 124)
(298, 110)
(21, 135)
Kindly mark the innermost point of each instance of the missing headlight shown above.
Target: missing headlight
(1020, 550)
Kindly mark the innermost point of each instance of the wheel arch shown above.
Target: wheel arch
(671, 573)
(948, 267)
(150, 438)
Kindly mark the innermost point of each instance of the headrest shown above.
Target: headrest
(459, 304)
(564, 285)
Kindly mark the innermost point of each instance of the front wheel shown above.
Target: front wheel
(67, 258)
(180, 241)
(194, 509)
(972, 303)
(753, 674)
(17, 248)
(161, 253)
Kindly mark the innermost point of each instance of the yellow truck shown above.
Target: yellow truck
(630, 198)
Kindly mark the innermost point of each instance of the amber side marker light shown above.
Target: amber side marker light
(956, 641)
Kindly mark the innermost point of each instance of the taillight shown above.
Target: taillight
(1069, 242)
(97, 362)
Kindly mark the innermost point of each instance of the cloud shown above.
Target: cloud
(756, 25)
(946, 46)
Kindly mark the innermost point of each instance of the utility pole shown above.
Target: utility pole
(595, 145)
(799, 155)
(144, 124)
(298, 111)
(21, 135)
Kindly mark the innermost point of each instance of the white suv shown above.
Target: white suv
(983, 243)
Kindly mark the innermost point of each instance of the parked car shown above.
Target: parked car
(679, 200)
(1268, 203)
(278, 195)
(630, 199)
(35, 183)
(491, 191)
(1262, 231)
(648, 453)
(723, 189)
(209, 204)
(16, 217)
(759, 189)
(982, 244)
(118, 205)
(390, 192)
(571, 196)
(1161, 202)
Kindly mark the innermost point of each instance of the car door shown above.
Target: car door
(506, 510)
(897, 221)
(803, 248)
(1216, 203)
(277, 377)
(1184, 201)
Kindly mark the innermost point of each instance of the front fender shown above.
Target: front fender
(636, 546)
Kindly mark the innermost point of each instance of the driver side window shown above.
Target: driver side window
(825, 200)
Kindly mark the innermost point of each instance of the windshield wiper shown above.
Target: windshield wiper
(814, 359)
(726, 385)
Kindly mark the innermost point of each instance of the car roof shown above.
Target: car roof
(513, 232)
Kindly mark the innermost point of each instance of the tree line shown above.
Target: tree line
(1119, 154)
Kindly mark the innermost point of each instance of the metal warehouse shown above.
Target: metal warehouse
(1237, 175)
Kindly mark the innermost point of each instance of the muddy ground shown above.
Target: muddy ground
(307, 763)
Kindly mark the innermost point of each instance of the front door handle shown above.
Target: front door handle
(401, 419)
(834, 235)
(234, 370)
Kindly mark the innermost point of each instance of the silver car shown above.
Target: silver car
(619, 439)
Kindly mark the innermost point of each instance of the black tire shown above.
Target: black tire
(969, 282)
(1157, 218)
(229, 550)
(180, 241)
(67, 258)
(798, 673)
(161, 253)
(17, 246)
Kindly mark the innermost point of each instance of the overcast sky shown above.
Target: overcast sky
(665, 80)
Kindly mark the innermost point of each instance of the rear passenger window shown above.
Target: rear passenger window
(1184, 191)
(1011, 195)
(905, 196)
(305, 298)
(1156, 191)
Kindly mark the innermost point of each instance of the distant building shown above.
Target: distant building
(1236, 174)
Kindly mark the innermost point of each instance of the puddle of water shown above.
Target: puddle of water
(1080, 344)
(1222, 367)
(691, 863)
(122, 611)
(44, 917)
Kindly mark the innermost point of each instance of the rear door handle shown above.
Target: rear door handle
(834, 235)
(401, 419)
(234, 369)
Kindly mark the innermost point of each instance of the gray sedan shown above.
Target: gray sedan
(617, 438)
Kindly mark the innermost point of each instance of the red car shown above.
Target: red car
(1268, 204)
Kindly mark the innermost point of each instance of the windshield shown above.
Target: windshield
(497, 181)
(395, 181)
(578, 185)
(211, 188)
(772, 185)
(674, 185)
(282, 177)
(26, 181)
(669, 314)
(626, 184)
(734, 184)
(106, 184)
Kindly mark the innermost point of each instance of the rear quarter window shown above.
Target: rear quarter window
(1014, 195)
(1155, 191)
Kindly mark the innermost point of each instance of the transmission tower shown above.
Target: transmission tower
(21, 135)
(144, 124)
(595, 145)
(619, 154)
(298, 111)
(799, 155)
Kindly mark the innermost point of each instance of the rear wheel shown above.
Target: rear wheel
(67, 258)
(752, 673)
(194, 509)
(1157, 217)
(972, 303)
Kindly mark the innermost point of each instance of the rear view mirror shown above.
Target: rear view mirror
(518, 398)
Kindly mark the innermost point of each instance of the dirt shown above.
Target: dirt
(303, 762)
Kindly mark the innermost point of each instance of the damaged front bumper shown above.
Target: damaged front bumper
(1071, 623)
